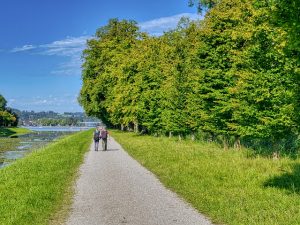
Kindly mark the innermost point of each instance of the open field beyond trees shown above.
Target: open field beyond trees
(231, 187)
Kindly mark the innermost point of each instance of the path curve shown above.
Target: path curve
(114, 189)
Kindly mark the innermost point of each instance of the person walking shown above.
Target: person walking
(103, 136)
(96, 138)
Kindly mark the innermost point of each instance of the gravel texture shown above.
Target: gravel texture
(115, 189)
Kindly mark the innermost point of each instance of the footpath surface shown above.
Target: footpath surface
(114, 189)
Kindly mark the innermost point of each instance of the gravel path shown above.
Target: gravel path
(114, 189)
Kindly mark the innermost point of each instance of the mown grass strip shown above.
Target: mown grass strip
(33, 188)
(228, 186)
(13, 131)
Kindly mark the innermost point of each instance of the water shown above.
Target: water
(58, 129)
(18, 147)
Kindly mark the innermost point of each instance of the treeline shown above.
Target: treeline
(50, 118)
(70, 121)
(32, 115)
(7, 117)
(232, 76)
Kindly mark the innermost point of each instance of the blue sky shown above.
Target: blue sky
(41, 43)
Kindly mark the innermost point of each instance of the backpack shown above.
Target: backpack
(104, 134)
(96, 135)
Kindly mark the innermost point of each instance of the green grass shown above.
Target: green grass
(230, 187)
(13, 131)
(33, 189)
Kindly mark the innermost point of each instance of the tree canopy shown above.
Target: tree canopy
(7, 117)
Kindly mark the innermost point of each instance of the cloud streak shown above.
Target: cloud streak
(70, 47)
(23, 49)
(160, 25)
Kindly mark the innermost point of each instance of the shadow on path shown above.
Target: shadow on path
(289, 181)
(108, 150)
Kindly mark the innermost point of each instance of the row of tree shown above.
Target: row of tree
(47, 118)
(232, 75)
(7, 117)
(69, 121)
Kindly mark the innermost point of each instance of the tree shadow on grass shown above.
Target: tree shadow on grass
(5, 132)
(287, 181)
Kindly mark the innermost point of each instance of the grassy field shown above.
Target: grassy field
(34, 189)
(231, 187)
(13, 131)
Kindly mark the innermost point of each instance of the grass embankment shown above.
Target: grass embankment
(228, 186)
(13, 131)
(34, 188)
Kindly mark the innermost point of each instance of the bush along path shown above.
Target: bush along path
(114, 189)
(34, 188)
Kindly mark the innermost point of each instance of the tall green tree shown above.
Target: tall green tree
(101, 62)
(267, 90)
(174, 86)
(241, 59)
(217, 58)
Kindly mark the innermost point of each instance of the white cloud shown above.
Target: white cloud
(24, 48)
(71, 46)
(158, 26)
(71, 67)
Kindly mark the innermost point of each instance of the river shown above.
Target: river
(17, 147)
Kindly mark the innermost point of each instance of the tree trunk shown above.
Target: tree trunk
(130, 127)
(179, 137)
(276, 153)
(237, 143)
(225, 143)
(122, 127)
(170, 134)
(136, 127)
(212, 137)
(193, 136)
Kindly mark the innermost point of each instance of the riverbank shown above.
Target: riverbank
(35, 188)
(231, 187)
(13, 131)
